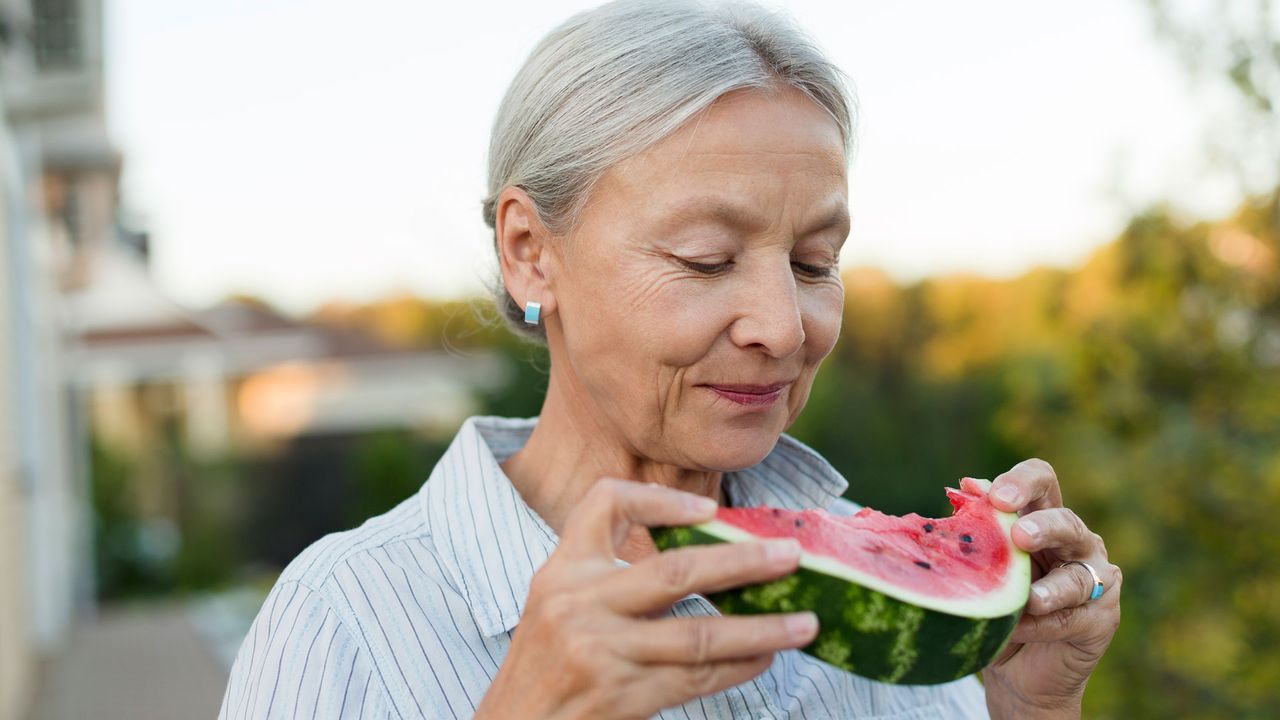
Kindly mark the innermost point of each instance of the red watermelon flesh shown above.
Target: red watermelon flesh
(962, 556)
(909, 599)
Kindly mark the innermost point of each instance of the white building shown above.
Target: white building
(15, 642)
(57, 197)
(86, 339)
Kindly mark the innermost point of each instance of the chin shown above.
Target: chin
(726, 449)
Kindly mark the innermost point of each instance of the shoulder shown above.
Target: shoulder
(369, 573)
(299, 658)
(361, 601)
(315, 567)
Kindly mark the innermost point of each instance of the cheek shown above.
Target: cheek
(631, 318)
(821, 312)
(670, 321)
(690, 319)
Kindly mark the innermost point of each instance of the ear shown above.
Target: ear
(523, 250)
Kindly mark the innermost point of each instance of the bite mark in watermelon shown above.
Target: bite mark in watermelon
(909, 599)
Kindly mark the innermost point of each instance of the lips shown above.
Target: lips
(748, 394)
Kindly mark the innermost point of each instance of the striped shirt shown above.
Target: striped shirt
(410, 614)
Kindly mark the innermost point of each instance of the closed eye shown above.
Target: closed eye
(817, 271)
(707, 268)
(810, 270)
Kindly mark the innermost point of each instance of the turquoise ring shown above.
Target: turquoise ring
(1098, 587)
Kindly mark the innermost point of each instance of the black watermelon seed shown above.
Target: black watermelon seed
(928, 527)
(923, 564)
(799, 522)
(966, 538)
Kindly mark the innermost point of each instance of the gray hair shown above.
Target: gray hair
(614, 80)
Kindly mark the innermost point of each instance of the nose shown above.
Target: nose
(769, 315)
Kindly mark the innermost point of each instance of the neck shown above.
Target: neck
(572, 447)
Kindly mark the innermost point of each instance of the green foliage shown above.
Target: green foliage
(387, 467)
(123, 567)
(191, 548)
(1165, 427)
(211, 490)
(1150, 379)
(899, 432)
(408, 321)
(521, 395)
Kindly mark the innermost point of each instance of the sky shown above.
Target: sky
(311, 150)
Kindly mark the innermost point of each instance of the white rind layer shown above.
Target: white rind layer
(1007, 598)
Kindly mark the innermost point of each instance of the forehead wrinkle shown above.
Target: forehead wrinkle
(733, 216)
(837, 218)
(715, 209)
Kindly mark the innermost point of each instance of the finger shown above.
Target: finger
(1058, 529)
(1029, 485)
(1071, 586)
(1080, 624)
(659, 581)
(700, 640)
(677, 684)
(601, 520)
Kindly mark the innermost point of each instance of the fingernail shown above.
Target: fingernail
(801, 625)
(782, 551)
(702, 505)
(1029, 527)
(1041, 592)
(1007, 494)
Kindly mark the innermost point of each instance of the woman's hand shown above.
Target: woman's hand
(591, 643)
(1062, 633)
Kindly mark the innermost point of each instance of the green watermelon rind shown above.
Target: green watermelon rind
(868, 632)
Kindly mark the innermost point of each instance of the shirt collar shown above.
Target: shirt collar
(491, 542)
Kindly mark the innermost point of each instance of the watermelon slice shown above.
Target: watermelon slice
(909, 600)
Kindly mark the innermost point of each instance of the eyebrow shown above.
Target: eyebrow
(735, 216)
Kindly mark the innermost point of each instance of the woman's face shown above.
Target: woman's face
(700, 291)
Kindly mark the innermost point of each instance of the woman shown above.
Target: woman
(668, 198)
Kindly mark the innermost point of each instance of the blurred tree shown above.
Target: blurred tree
(1232, 46)
(407, 321)
(1150, 378)
(123, 565)
(1162, 415)
(898, 430)
(387, 467)
(525, 388)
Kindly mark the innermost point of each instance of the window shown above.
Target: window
(57, 34)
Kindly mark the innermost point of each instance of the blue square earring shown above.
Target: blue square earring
(532, 311)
